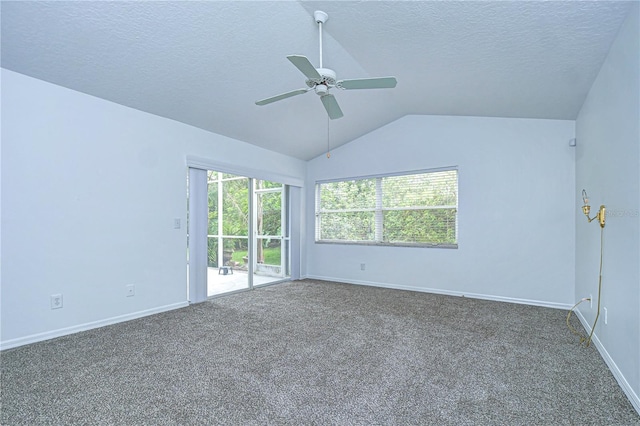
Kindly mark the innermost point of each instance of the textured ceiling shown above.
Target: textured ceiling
(206, 63)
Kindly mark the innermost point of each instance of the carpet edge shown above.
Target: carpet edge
(541, 303)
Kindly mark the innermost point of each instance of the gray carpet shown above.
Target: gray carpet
(312, 352)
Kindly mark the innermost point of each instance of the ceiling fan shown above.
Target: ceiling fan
(324, 79)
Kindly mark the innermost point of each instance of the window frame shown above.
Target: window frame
(379, 211)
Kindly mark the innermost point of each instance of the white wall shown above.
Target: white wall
(516, 209)
(607, 166)
(90, 190)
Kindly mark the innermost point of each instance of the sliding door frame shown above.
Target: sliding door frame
(197, 167)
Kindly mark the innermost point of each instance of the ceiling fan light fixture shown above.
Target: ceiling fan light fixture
(321, 89)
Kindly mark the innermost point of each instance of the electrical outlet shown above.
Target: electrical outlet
(131, 290)
(606, 316)
(56, 301)
(363, 266)
(591, 301)
(176, 223)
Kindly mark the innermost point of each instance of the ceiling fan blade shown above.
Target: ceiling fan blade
(332, 107)
(303, 64)
(368, 83)
(282, 96)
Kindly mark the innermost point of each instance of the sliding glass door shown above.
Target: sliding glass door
(247, 237)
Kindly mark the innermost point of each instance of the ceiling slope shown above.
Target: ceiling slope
(206, 63)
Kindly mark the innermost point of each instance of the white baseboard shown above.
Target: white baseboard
(542, 303)
(622, 381)
(13, 343)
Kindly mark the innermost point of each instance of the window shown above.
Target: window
(417, 209)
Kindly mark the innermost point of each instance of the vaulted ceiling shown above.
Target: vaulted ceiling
(206, 63)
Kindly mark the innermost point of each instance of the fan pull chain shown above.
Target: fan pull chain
(328, 147)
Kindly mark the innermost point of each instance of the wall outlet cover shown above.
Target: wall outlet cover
(131, 290)
(56, 301)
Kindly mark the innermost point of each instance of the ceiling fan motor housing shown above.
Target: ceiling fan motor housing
(327, 78)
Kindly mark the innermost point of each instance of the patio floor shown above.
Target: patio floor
(217, 283)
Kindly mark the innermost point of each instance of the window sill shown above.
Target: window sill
(384, 244)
